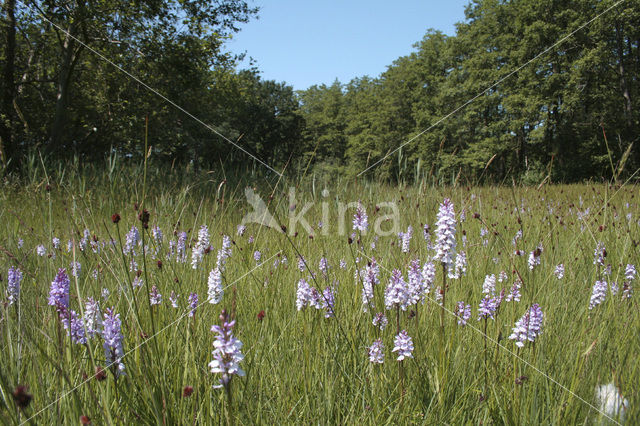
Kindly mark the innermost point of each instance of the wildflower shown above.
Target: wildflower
(629, 276)
(181, 247)
(426, 233)
(502, 276)
(241, 229)
(534, 257)
(154, 296)
(487, 308)
(323, 265)
(516, 237)
(415, 286)
(559, 271)
(343, 264)
(74, 326)
(20, 243)
(403, 345)
(396, 293)
(173, 298)
(515, 291)
(328, 302)
(373, 243)
(201, 246)
(41, 250)
(613, 287)
(227, 353)
(137, 282)
(360, 219)
(92, 320)
(376, 352)
(14, 278)
(380, 321)
(370, 278)
(59, 291)
(629, 272)
(315, 299)
(193, 304)
(463, 312)
(489, 285)
(439, 295)
(75, 267)
(598, 294)
(131, 241)
(460, 267)
(105, 294)
(301, 264)
(405, 239)
(483, 234)
(428, 276)
(224, 253)
(133, 265)
(599, 254)
(95, 246)
(215, 290)
(55, 242)
(445, 232)
(529, 326)
(113, 342)
(611, 401)
(156, 233)
(303, 294)
(82, 244)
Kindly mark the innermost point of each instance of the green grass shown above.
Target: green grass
(301, 367)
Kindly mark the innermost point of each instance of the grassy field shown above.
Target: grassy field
(312, 365)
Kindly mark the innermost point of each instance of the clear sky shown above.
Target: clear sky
(306, 42)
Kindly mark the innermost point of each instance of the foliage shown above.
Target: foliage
(523, 90)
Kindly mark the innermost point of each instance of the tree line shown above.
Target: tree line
(489, 102)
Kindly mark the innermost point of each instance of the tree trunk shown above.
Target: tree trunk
(6, 118)
(624, 87)
(64, 80)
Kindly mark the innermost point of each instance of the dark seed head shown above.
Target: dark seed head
(85, 420)
(21, 397)
(144, 218)
(187, 391)
(115, 218)
(100, 374)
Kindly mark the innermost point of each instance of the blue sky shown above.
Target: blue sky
(306, 42)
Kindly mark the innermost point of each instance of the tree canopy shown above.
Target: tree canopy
(489, 102)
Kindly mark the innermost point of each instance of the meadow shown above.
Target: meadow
(501, 305)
